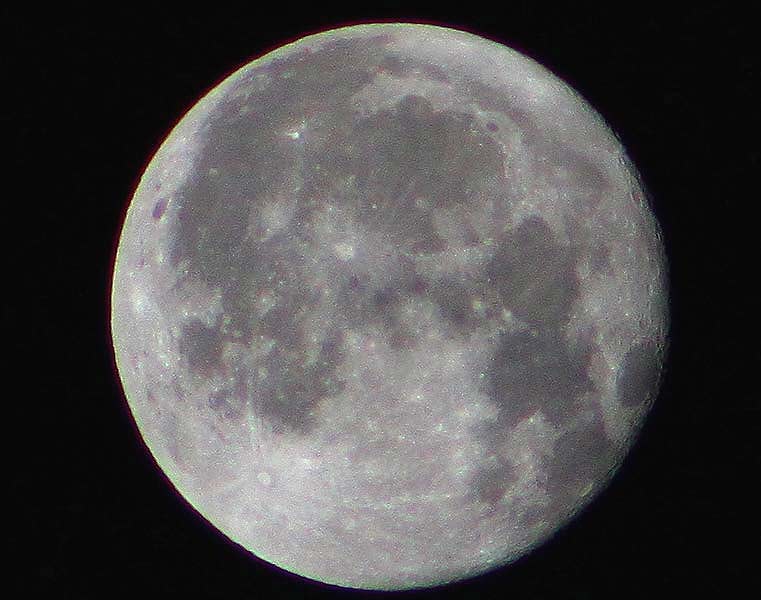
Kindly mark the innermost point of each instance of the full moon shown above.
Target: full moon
(389, 306)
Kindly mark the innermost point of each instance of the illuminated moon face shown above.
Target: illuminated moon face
(389, 306)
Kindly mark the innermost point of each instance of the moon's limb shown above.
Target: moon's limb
(389, 305)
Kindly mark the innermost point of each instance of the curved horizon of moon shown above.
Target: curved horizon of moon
(389, 306)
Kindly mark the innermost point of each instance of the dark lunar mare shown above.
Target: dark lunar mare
(640, 370)
(390, 172)
(583, 455)
(536, 368)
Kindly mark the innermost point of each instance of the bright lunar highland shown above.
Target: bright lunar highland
(389, 306)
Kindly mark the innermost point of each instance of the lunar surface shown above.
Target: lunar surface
(389, 306)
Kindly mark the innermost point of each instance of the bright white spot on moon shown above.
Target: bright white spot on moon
(344, 251)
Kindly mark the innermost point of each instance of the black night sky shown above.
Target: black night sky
(92, 93)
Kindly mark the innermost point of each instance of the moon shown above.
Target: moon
(389, 306)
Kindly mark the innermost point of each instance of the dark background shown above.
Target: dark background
(91, 95)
